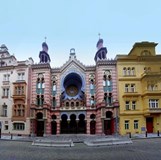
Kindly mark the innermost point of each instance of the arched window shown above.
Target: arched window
(77, 104)
(129, 71)
(92, 100)
(67, 104)
(133, 71)
(72, 104)
(124, 71)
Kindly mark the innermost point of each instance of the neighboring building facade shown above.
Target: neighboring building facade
(14, 104)
(139, 84)
(74, 98)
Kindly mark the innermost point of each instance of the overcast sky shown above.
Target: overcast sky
(75, 24)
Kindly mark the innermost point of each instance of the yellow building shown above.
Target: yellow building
(139, 85)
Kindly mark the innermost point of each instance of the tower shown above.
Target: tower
(101, 51)
(43, 55)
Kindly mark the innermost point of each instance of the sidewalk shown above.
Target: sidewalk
(17, 138)
(143, 136)
(94, 140)
(79, 138)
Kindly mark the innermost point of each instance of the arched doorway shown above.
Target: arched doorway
(73, 124)
(109, 123)
(64, 124)
(92, 124)
(81, 124)
(40, 124)
(53, 125)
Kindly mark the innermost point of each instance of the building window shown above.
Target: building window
(19, 90)
(92, 87)
(6, 92)
(21, 76)
(72, 104)
(54, 102)
(19, 110)
(126, 125)
(77, 104)
(40, 85)
(133, 105)
(54, 88)
(92, 84)
(110, 98)
(152, 87)
(153, 103)
(92, 101)
(5, 127)
(133, 71)
(107, 83)
(129, 71)
(132, 87)
(18, 126)
(126, 87)
(42, 99)
(127, 105)
(4, 114)
(124, 71)
(38, 100)
(67, 104)
(136, 124)
(6, 77)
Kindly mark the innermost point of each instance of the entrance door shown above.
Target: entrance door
(53, 127)
(93, 127)
(109, 126)
(73, 124)
(81, 124)
(64, 124)
(39, 124)
(149, 124)
(40, 128)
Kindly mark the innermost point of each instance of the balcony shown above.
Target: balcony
(6, 82)
(152, 110)
(19, 96)
(129, 94)
(151, 93)
(18, 118)
(150, 74)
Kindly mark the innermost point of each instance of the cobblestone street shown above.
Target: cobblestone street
(143, 149)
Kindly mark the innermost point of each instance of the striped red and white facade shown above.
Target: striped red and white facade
(74, 98)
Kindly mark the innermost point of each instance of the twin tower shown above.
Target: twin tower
(100, 54)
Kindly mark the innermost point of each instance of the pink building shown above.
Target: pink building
(74, 98)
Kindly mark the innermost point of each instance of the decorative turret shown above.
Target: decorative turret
(72, 53)
(43, 55)
(101, 51)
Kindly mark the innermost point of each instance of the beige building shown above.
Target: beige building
(14, 104)
(139, 85)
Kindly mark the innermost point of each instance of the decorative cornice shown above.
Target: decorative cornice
(75, 61)
(106, 62)
(41, 66)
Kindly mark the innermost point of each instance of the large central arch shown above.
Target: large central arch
(72, 86)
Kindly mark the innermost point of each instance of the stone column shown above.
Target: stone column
(33, 127)
(44, 128)
(88, 126)
(58, 126)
